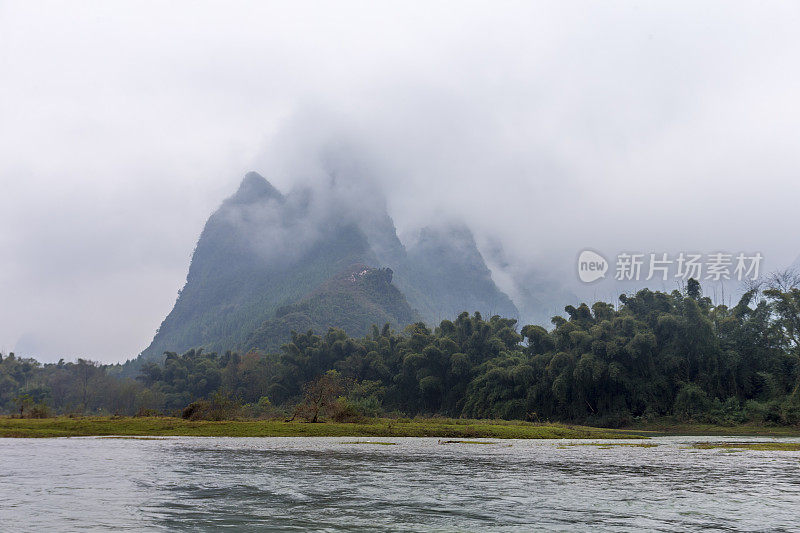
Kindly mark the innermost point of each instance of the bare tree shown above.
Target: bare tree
(320, 396)
(783, 280)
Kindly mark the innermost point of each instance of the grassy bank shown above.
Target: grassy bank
(758, 446)
(671, 427)
(165, 426)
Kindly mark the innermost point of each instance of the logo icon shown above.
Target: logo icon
(591, 266)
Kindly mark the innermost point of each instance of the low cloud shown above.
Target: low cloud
(547, 128)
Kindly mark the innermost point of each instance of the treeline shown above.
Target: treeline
(654, 355)
(30, 388)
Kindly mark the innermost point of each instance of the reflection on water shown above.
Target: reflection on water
(331, 484)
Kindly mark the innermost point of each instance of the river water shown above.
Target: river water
(417, 484)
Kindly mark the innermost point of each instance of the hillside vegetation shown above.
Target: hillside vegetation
(657, 355)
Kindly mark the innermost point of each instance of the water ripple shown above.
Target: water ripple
(330, 484)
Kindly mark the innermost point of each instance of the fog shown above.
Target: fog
(547, 128)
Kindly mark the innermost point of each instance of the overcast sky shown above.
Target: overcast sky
(549, 126)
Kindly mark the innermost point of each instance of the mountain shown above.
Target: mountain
(444, 274)
(257, 252)
(353, 301)
(267, 263)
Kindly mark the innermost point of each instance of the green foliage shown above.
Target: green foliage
(351, 301)
(219, 407)
(262, 409)
(657, 355)
(320, 397)
(31, 389)
(691, 402)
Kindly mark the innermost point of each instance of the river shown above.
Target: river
(415, 484)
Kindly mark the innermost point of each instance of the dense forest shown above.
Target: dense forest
(652, 355)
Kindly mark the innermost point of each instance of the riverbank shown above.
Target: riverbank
(667, 427)
(384, 427)
(381, 427)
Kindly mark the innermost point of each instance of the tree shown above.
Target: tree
(24, 402)
(693, 289)
(319, 396)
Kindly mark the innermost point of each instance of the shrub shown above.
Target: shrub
(263, 408)
(691, 402)
(143, 412)
(727, 413)
(220, 407)
(320, 397)
(40, 410)
(344, 410)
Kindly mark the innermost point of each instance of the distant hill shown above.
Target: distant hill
(353, 300)
(267, 263)
(444, 274)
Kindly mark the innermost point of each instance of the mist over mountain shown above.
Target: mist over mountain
(444, 274)
(537, 293)
(268, 263)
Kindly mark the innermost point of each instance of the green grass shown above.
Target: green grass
(671, 427)
(763, 446)
(384, 427)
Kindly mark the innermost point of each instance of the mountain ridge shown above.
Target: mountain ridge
(263, 250)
